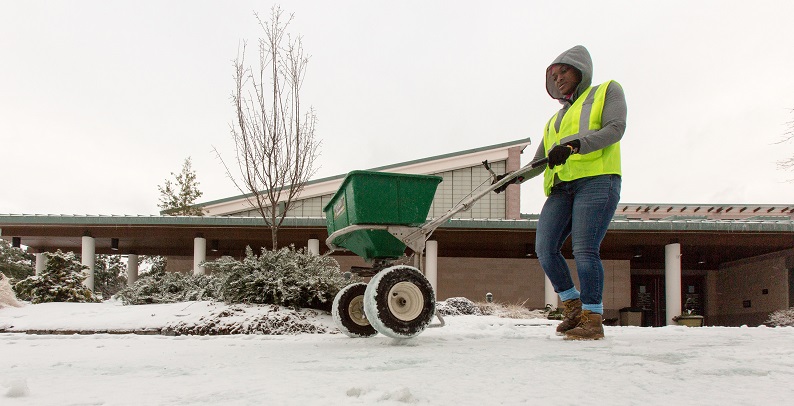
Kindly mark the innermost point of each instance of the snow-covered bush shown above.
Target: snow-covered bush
(237, 320)
(60, 281)
(456, 306)
(459, 306)
(153, 263)
(286, 277)
(781, 318)
(158, 286)
(511, 311)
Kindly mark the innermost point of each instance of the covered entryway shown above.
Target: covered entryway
(647, 293)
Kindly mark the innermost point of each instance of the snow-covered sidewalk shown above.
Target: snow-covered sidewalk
(473, 360)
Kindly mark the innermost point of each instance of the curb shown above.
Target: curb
(151, 331)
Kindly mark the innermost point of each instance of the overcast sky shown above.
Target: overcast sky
(101, 100)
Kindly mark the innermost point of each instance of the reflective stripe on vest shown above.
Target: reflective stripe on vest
(581, 119)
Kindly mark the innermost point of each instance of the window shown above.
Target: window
(311, 207)
(460, 184)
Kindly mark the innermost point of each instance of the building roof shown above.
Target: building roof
(429, 165)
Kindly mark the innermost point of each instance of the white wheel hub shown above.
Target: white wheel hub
(356, 311)
(406, 301)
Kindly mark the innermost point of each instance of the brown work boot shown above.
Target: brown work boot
(571, 311)
(590, 327)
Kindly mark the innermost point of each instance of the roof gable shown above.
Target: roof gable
(423, 166)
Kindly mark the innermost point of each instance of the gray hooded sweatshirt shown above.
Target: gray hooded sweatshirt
(613, 117)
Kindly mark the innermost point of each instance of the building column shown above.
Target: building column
(88, 259)
(314, 246)
(552, 298)
(41, 263)
(199, 255)
(132, 269)
(672, 281)
(431, 264)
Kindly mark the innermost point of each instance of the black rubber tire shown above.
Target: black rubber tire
(348, 312)
(399, 302)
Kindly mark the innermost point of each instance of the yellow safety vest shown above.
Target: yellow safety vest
(582, 118)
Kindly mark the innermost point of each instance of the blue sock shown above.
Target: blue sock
(594, 308)
(569, 294)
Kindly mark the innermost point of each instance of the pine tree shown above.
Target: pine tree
(60, 281)
(154, 264)
(110, 275)
(178, 198)
(15, 263)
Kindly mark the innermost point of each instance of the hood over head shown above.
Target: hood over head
(579, 58)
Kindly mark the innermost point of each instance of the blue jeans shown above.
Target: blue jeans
(582, 209)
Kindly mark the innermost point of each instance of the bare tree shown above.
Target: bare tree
(787, 136)
(274, 137)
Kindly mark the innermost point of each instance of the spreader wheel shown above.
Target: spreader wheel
(348, 311)
(399, 302)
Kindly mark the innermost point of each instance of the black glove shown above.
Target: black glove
(502, 188)
(560, 153)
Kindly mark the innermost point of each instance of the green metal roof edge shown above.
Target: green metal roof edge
(643, 225)
(703, 225)
(524, 224)
(15, 219)
(454, 154)
(621, 204)
(380, 168)
(247, 195)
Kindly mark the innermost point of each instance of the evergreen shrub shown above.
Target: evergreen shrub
(781, 318)
(287, 277)
(60, 281)
(159, 286)
(235, 319)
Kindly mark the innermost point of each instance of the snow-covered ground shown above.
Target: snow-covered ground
(473, 360)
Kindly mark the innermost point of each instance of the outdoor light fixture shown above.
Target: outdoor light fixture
(114, 244)
(529, 250)
(637, 252)
(215, 245)
(702, 259)
(16, 242)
